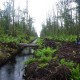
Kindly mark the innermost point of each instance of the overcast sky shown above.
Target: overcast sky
(38, 10)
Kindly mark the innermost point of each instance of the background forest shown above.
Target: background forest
(15, 22)
(66, 21)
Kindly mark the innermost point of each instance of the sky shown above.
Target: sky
(38, 10)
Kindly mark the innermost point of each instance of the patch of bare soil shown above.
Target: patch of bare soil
(53, 71)
(69, 51)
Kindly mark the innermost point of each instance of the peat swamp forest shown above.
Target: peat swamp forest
(55, 55)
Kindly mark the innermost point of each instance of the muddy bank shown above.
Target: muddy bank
(69, 51)
(53, 71)
(8, 51)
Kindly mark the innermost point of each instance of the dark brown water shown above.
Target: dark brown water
(13, 71)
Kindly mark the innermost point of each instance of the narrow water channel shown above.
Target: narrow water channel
(13, 71)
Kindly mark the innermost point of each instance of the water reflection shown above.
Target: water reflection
(13, 71)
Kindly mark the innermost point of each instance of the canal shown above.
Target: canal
(14, 70)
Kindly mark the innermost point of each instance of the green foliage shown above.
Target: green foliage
(42, 65)
(55, 58)
(69, 64)
(45, 52)
(75, 73)
(64, 37)
(66, 26)
(31, 60)
(18, 39)
(42, 56)
(10, 26)
(48, 51)
(39, 42)
(45, 59)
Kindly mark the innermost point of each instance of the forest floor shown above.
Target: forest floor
(69, 51)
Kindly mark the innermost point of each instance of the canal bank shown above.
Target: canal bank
(14, 69)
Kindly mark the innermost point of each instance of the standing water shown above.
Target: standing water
(13, 71)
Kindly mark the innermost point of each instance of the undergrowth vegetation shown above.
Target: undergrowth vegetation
(17, 39)
(40, 42)
(45, 52)
(64, 37)
(43, 56)
(75, 69)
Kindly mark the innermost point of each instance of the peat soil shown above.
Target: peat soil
(69, 51)
(54, 70)
(8, 51)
